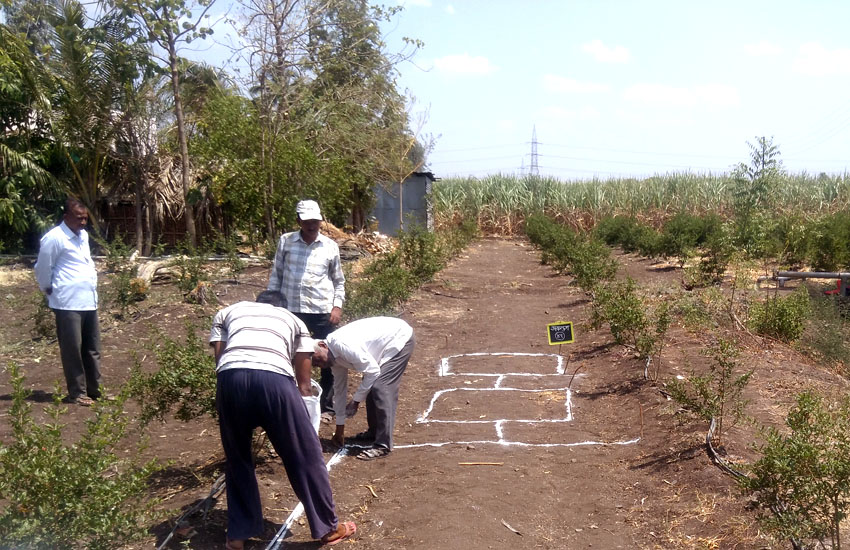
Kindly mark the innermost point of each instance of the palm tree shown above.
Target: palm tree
(92, 67)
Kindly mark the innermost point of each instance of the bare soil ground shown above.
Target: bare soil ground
(493, 450)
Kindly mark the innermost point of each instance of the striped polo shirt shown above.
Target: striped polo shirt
(259, 336)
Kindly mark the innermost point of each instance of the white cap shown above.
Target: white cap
(308, 210)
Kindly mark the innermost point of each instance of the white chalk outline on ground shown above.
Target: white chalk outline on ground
(281, 534)
(444, 369)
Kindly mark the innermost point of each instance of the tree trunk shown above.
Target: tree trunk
(148, 247)
(189, 213)
(138, 207)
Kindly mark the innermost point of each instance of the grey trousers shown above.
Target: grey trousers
(382, 401)
(79, 346)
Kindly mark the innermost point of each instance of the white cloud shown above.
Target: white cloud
(763, 49)
(712, 95)
(559, 84)
(465, 64)
(605, 54)
(559, 113)
(815, 60)
(450, 9)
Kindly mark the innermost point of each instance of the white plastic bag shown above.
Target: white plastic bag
(314, 408)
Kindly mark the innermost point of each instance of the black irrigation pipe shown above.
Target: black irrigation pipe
(724, 465)
(206, 504)
(777, 509)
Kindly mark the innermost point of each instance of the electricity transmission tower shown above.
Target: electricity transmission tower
(534, 170)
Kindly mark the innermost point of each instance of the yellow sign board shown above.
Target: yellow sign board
(560, 333)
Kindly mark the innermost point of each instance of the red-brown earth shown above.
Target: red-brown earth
(492, 449)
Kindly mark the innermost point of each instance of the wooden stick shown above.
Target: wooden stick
(640, 407)
(480, 463)
(371, 490)
(570, 385)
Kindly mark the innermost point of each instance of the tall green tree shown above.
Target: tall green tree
(754, 191)
(362, 122)
(26, 149)
(169, 24)
(91, 66)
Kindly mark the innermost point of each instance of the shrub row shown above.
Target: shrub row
(388, 280)
(823, 243)
(584, 257)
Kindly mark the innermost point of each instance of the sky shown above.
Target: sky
(624, 88)
(627, 88)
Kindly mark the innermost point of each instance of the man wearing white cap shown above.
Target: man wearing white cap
(308, 272)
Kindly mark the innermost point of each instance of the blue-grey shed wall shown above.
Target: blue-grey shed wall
(415, 204)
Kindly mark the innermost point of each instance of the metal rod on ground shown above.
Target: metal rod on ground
(217, 488)
(283, 532)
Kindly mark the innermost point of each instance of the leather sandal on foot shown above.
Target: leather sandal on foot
(373, 453)
(342, 532)
(82, 400)
(234, 545)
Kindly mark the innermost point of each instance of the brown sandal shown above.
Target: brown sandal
(343, 531)
(234, 545)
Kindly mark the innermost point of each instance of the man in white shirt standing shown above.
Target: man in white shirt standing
(380, 348)
(66, 273)
(308, 272)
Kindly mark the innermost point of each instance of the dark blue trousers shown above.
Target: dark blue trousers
(247, 399)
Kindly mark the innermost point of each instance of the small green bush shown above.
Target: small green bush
(125, 290)
(621, 306)
(781, 318)
(718, 393)
(791, 235)
(583, 256)
(685, 233)
(826, 333)
(420, 253)
(805, 474)
(590, 263)
(629, 234)
(701, 309)
(190, 272)
(710, 262)
(382, 287)
(185, 380)
(387, 281)
(830, 244)
(79, 494)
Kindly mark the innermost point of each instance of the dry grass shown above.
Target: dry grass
(15, 275)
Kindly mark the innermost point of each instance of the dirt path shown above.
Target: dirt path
(602, 479)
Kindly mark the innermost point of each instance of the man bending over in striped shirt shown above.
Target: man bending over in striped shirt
(263, 362)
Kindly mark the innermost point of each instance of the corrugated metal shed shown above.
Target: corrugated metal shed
(413, 207)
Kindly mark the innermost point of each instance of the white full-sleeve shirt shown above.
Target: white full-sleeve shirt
(363, 346)
(65, 265)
